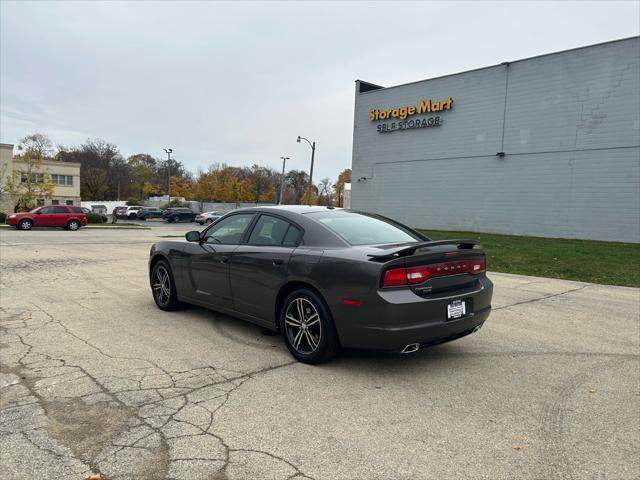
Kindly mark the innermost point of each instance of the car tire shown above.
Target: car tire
(73, 225)
(25, 224)
(176, 219)
(163, 287)
(307, 327)
(132, 216)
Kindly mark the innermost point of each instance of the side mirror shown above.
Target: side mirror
(192, 236)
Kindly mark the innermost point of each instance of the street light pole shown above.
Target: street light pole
(313, 152)
(280, 200)
(169, 151)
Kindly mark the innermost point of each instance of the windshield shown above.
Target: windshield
(35, 210)
(364, 229)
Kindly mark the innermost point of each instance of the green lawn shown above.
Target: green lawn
(610, 263)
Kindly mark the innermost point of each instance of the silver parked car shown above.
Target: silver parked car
(208, 217)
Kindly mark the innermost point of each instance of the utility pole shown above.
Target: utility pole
(169, 152)
(313, 152)
(281, 199)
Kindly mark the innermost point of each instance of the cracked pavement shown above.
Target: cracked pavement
(94, 378)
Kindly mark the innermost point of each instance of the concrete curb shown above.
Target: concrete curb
(106, 227)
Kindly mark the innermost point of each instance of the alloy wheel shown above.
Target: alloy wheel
(162, 285)
(73, 225)
(303, 326)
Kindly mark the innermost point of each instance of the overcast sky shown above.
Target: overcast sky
(237, 82)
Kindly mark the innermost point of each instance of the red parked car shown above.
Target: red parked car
(67, 217)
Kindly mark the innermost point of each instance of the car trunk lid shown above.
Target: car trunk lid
(430, 267)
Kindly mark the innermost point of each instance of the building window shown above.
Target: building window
(35, 177)
(62, 180)
(69, 202)
(55, 202)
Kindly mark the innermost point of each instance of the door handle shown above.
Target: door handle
(224, 258)
(277, 261)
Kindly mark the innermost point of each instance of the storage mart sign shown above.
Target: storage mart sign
(403, 113)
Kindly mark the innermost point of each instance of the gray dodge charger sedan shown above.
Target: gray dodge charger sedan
(326, 278)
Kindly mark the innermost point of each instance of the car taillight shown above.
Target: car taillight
(399, 277)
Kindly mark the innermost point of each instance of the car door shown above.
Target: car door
(259, 267)
(44, 218)
(207, 261)
(60, 216)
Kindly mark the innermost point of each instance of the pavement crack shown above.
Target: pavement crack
(538, 299)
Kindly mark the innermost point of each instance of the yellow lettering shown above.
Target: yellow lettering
(425, 106)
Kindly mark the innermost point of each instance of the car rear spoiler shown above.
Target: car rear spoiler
(401, 251)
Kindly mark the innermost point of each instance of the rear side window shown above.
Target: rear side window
(269, 231)
(292, 238)
(76, 210)
(60, 210)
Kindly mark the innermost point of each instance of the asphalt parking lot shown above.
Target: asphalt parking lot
(94, 378)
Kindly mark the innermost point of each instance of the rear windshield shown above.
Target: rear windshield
(363, 229)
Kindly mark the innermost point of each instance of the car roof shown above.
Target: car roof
(295, 208)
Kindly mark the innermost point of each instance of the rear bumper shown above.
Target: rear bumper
(402, 317)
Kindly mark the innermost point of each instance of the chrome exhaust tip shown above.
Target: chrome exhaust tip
(411, 348)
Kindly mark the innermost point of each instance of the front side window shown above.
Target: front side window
(268, 231)
(47, 210)
(230, 230)
(363, 229)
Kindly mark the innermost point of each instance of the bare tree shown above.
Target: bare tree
(325, 187)
(37, 145)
